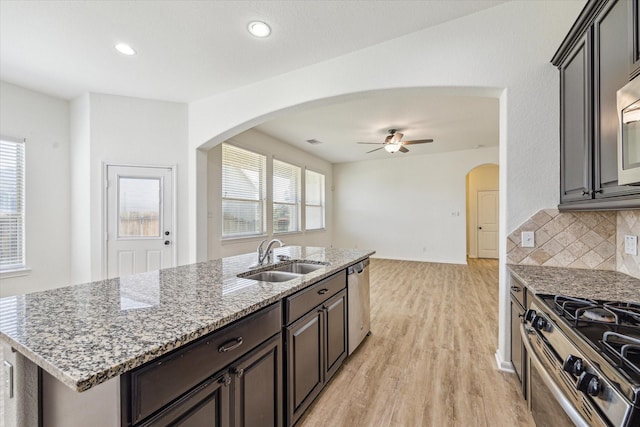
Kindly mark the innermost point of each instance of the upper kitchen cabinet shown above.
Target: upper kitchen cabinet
(634, 37)
(595, 60)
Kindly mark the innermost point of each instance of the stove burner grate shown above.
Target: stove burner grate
(630, 311)
(625, 348)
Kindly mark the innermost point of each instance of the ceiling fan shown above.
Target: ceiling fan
(393, 142)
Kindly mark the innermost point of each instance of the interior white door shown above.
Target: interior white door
(140, 233)
(488, 224)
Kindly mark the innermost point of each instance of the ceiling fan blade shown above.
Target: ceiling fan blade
(396, 137)
(417, 141)
(376, 149)
(370, 143)
(403, 150)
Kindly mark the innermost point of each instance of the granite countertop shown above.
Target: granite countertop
(573, 282)
(86, 334)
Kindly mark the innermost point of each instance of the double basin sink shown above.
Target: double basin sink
(283, 273)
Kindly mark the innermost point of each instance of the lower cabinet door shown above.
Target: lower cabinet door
(208, 405)
(304, 363)
(258, 386)
(336, 333)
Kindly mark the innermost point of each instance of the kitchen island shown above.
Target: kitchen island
(85, 335)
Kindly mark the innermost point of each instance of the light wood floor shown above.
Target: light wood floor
(430, 359)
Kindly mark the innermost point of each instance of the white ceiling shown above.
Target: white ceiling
(452, 118)
(189, 50)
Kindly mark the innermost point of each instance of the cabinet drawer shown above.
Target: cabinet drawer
(517, 291)
(300, 303)
(155, 385)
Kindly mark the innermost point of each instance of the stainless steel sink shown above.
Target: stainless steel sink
(272, 276)
(300, 267)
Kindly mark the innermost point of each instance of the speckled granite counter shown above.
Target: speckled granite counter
(86, 334)
(573, 282)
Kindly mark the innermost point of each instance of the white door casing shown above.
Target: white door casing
(140, 227)
(488, 203)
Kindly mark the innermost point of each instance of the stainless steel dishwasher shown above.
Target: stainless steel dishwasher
(359, 303)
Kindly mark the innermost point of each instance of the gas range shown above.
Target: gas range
(591, 349)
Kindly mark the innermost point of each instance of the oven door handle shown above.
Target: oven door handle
(548, 381)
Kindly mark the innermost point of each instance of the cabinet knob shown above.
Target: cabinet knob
(238, 371)
(586, 193)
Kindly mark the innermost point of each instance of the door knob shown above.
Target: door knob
(167, 242)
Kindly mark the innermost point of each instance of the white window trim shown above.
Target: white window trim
(264, 200)
(22, 269)
(299, 199)
(323, 205)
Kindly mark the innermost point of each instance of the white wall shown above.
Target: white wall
(44, 122)
(482, 178)
(137, 131)
(264, 144)
(80, 197)
(507, 47)
(406, 207)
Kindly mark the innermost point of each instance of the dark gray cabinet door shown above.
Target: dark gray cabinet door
(575, 123)
(208, 405)
(336, 333)
(516, 339)
(305, 368)
(257, 386)
(634, 37)
(611, 72)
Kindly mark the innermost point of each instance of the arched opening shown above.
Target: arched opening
(482, 188)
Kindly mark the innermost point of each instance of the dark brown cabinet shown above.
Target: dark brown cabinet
(634, 37)
(575, 129)
(232, 377)
(257, 386)
(518, 352)
(206, 406)
(595, 61)
(316, 341)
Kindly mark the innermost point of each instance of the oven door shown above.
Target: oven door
(549, 405)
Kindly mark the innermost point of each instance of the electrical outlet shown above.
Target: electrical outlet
(528, 239)
(631, 245)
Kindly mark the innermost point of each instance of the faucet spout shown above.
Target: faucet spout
(267, 254)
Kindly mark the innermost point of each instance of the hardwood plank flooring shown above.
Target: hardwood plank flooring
(430, 359)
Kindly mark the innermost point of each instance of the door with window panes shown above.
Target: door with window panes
(140, 234)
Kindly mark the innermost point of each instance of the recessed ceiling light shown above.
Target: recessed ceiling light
(125, 49)
(259, 29)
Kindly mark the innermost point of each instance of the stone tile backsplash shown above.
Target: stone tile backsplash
(628, 222)
(569, 239)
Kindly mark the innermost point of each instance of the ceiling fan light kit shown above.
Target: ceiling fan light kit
(393, 143)
(392, 148)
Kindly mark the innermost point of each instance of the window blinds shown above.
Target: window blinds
(286, 197)
(314, 200)
(12, 198)
(243, 192)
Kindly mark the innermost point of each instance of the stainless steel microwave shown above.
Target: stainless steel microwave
(629, 133)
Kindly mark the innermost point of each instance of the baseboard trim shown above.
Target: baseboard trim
(504, 366)
(434, 261)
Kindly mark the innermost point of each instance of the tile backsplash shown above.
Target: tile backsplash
(567, 239)
(628, 222)
(591, 240)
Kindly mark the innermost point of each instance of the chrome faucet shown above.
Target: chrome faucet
(268, 252)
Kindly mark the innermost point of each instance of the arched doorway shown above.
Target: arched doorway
(482, 211)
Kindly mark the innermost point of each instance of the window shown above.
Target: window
(12, 165)
(314, 200)
(243, 192)
(286, 197)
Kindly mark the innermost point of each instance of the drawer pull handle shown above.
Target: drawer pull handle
(515, 289)
(323, 291)
(230, 345)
